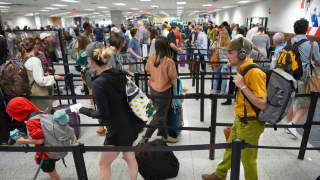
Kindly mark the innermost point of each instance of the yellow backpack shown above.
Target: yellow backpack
(289, 59)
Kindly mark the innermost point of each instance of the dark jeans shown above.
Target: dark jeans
(160, 117)
(203, 65)
(231, 88)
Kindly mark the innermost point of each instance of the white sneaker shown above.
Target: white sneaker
(287, 131)
(293, 131)
(212, 92)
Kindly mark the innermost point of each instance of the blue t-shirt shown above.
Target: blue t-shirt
(135, 45)
(123, 34)
(71, 31)
(96, 31)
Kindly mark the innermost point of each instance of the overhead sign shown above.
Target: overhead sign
(144, 10)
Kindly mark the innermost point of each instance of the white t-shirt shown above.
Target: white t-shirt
(11, 36)
(128, 34)
(34, 64)
(165, 32)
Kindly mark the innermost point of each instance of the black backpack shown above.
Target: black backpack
(77, 31)
(157, 165)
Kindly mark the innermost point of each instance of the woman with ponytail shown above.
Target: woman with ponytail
(38, 81)
(163, 75)
(109, 93)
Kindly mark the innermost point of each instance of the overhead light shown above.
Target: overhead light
(50, 8)
(105, 11)
(71, 1)
(145, 0)
(60, 14)
(89, 9)
(196, 11)
(180, 7)
(243, 1)
(128, 12)
(59, 5)
(5, 7)
(102, 7)
(95, 13)
(100, 15)
(31, 14)
(154, 6)
(207, 5)
(5, 3)
(108, 14)
(179, 10)
(119, 4)
(181, 2)
(134, 8)
(217, 10)
(227, 7)
(44, 10)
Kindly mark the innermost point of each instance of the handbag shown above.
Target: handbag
(313, 83)
(138, 102)
(227, 132)
(215, 58)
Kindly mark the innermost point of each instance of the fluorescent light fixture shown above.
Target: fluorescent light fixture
(180, 7)
(196, 11)
(5, 7)
(50, 8)
(227, 7)
(217, 9)
(31, 14)
(100, 15)
(5, 3)
(108, 14)
(95, 13)
(243, 1)
(119, 4)
(181, 2)
(128, 12)
(59, 5)
(71, 1)
(102, 7)
(134, 8)
(179, 10)
(154, 6)
(207, 5)
(60, 14)
(89, 9)
(105, 11)
(44, 10)
(145, 0)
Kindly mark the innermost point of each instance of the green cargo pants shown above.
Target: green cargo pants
(250, 133)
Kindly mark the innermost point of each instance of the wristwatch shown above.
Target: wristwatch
(243, 87)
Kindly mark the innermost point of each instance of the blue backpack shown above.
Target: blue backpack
(98, 34)
(177, 88)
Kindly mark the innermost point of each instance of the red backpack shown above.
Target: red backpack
(67, 36)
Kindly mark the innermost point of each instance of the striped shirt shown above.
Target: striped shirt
(304, 50)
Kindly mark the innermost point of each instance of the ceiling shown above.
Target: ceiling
(82, 8)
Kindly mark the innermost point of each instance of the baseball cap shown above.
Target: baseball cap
(44, 35)
(90, 49)
(236, 45)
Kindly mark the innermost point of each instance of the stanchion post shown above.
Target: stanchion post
(237, 146)
(79, 162)
(73, 93)
(307, 128)
(194, 65)
(136, 78)
(197, 75)
(214, 100)
(202, 98)
(64, 55)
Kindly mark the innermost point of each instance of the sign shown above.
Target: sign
(144, 50)
(72, 12)
(209, 9)
(175, 21)
(207, 16)
(144, 10)
(138, 17)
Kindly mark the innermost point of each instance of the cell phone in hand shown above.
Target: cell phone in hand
(53, 71)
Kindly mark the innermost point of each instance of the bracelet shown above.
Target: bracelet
(243, 87)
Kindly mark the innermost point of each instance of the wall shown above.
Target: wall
(163, 19)
(186, 18)
(284, 13)
(50, 20)
(21, 21)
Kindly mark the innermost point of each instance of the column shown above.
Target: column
(116, 17)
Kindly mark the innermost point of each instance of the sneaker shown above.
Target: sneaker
(293, 131)
(226, 103)
(170, 139)
(102, 133)
(211, 177)
(212, 92)
(143, 140)
(287, 131)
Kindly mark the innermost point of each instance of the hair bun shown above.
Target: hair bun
(103, 54)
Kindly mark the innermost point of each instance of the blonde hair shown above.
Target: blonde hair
(104, 55)
(224, 38)
(199, 28)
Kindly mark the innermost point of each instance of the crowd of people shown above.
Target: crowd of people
(106, 80)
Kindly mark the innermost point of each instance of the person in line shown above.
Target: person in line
(192, 37)
(252, 31)
(278, 42)
(3, 50)
(143, 33)
(249, 128)
(122, 31)
(72, 33)
(262, 41)
(165, 31)
(202, 43)
(12, 42)
(211, 32)
(173, 43)
(134, 45)
(301, 29)
(205, 28)
(87, 31)
(109, 93)
(162, 76)
(114, 29)
(224, 40)
(128, 34)
(38, 81)
(234, 30)
(187, 31)
(153, 33)
(98, 33)
(20, 108)
(241, 33)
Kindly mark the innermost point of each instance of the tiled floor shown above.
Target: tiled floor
(272, 164)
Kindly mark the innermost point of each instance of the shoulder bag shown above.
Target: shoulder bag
(313, 83)
(215, 57)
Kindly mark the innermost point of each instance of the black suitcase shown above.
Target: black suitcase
(7, 125)
(157, 165)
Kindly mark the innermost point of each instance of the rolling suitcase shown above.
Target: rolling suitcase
(175, 118)
(74, 118)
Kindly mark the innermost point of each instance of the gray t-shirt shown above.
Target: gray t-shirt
(143, 34)
(263, 43)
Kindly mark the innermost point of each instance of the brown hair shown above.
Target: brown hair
(82, 43)
(162, 49)
(199, 28)
(26, 46)
(102, 56)
(133, 31)
(224, 38)
(116, 40)
(154, 32)
(48, 46)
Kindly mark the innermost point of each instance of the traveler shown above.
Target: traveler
(165, 32)
(187, 31)
(128, 34)
(205, 28)
(87, 31)
(253, 30)
(4, 51)
(12, 43)
(38, 81)
(202, 43)
(234, 30)
(226, 26)
(240, 33)
(153, 33)
(211, 32)
(98, 33)
(122, 31)
(193, 36)
(25, 28)
(162, 76)
(20, 108)
(48, 27)
(278, 42)
(134, 46)
(143, 33)
(114, 29)
(224, 40)
(47, 49)
(109, 93)
(17, 28)
(82, 44)
(72, 33)
(262, 41)
(173, 43)
(301, 29)
(248, 128)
